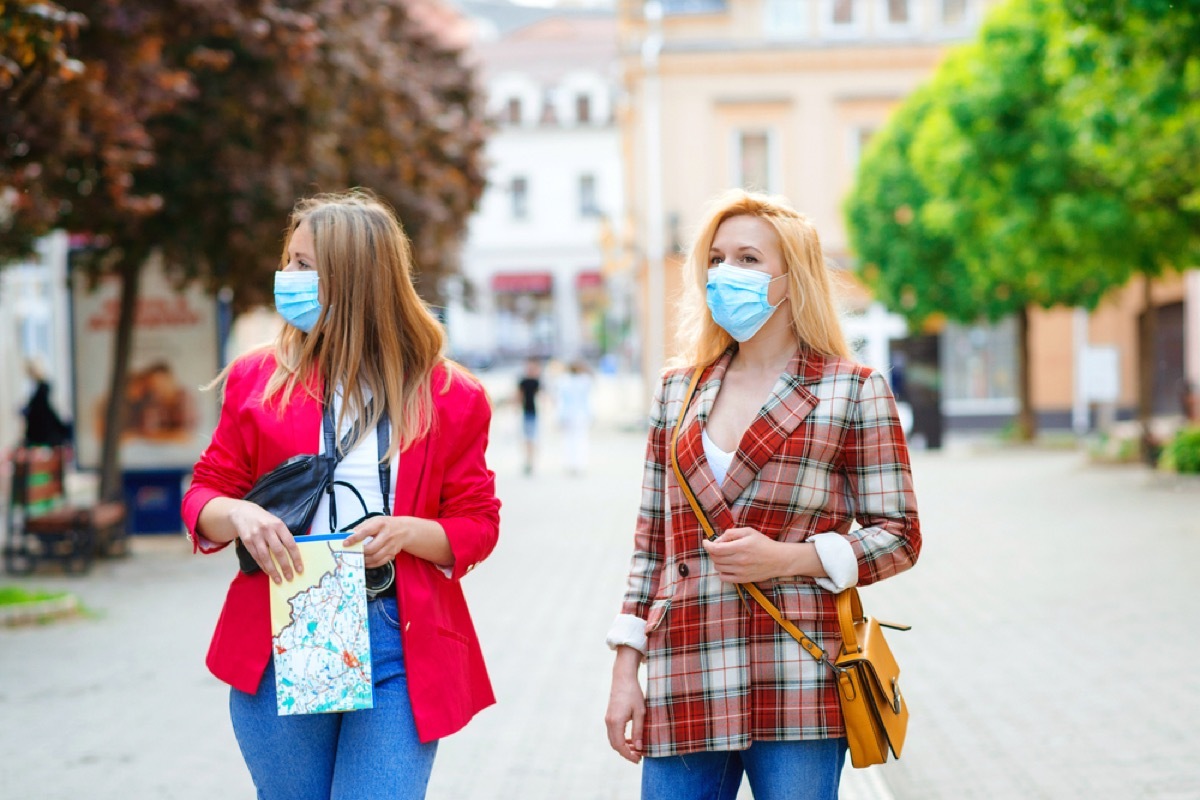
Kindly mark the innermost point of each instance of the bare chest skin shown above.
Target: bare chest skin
(741, 397)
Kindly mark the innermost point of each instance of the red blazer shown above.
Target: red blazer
(442, 477)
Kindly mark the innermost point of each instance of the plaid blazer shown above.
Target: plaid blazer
(825, 451)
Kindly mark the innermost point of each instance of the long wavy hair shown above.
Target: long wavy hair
(814, 318)
(374, 334)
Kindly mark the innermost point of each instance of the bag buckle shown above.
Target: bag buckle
(896, 695)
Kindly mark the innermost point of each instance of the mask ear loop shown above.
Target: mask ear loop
(786, 295)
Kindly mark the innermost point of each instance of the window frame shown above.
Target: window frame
(518, 206)
(775, 28)
(736, 147)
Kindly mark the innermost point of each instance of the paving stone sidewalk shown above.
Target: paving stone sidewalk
(1052, 615)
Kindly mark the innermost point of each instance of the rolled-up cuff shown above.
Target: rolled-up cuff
(627, 630)
(838, 559)
(206, 546)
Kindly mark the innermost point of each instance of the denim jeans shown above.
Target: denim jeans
(809, 770)
(358, 754)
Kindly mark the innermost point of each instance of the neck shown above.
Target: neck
(770, 350)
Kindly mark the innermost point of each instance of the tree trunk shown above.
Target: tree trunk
(1026, 420)
(114, 417)
(1146, 339)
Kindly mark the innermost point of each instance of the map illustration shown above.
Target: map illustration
(319, 631)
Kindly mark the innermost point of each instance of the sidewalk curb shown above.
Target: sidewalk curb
(38, 611)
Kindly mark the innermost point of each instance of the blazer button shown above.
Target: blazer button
(683, 570)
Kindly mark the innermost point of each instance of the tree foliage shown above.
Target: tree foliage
(192, 126)
(195, 125)
(1044, 164)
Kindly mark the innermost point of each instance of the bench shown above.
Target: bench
(44, 527)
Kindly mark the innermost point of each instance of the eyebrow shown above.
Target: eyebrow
(300, 254)
(741, 248)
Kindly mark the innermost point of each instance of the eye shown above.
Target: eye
(749, 259)
(714, 261)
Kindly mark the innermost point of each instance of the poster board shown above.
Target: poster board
(174, 353)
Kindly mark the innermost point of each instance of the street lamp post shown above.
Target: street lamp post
(655, 232)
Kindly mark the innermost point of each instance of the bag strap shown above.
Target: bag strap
(383, 440)
(810, 647)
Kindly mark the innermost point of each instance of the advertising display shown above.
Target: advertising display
(168, 419)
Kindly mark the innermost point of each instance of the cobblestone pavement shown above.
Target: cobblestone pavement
(1050, 657)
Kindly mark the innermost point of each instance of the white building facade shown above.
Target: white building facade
(533, 279)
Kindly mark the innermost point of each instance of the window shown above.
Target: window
(588, 206)
(896, 17)
(859, 138)
(512, 111)
(842, 18)
(519, 191)
(898, 12)
(954, 13)
(979, 365)
(549, 111)
(786, 18)
(752, 160)
(583, 109)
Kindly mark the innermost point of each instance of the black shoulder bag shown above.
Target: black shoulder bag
(292, 491)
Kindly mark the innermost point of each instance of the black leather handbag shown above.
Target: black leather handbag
(292, 491)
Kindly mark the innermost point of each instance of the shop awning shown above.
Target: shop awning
(589, 280)
(522, 282)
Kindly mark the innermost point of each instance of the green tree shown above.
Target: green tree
(1130, 77)
(202, 121)
(1017, 216)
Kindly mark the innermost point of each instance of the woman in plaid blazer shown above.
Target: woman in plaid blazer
(786, 443)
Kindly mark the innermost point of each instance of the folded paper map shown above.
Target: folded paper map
(319, 631)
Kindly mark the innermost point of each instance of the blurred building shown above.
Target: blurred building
(772, 95)
(781, 96)
(533, 278)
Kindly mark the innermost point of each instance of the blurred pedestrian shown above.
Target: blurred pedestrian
(43, 426)
(786, 443)
(363, 351)
(528, 389)
(573, 401)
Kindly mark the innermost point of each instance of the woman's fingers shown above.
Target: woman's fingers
(623, 721)
(270, 542)
(639, 717)
(616, 737)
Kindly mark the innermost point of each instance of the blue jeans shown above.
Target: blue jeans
(809, 770)
(358, 754)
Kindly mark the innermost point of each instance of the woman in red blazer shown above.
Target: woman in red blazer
(356, 330)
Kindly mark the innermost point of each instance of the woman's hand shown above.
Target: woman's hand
(267, 539)
(743, 555)
(391, 536)
(626, 706)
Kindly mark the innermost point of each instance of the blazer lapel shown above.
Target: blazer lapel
(692, 461)
(789, 403)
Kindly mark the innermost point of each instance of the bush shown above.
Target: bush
(1182, 454)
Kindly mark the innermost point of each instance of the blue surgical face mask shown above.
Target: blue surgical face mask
(737, 298)
(296, 298)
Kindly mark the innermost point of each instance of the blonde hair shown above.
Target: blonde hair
(814, 319)
(374, 332)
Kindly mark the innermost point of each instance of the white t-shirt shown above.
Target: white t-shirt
(360, 469)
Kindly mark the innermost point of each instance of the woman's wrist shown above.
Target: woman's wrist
(800, 558)
(626, 663)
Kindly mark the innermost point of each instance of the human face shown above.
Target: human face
(301, 253)
(750, 243)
